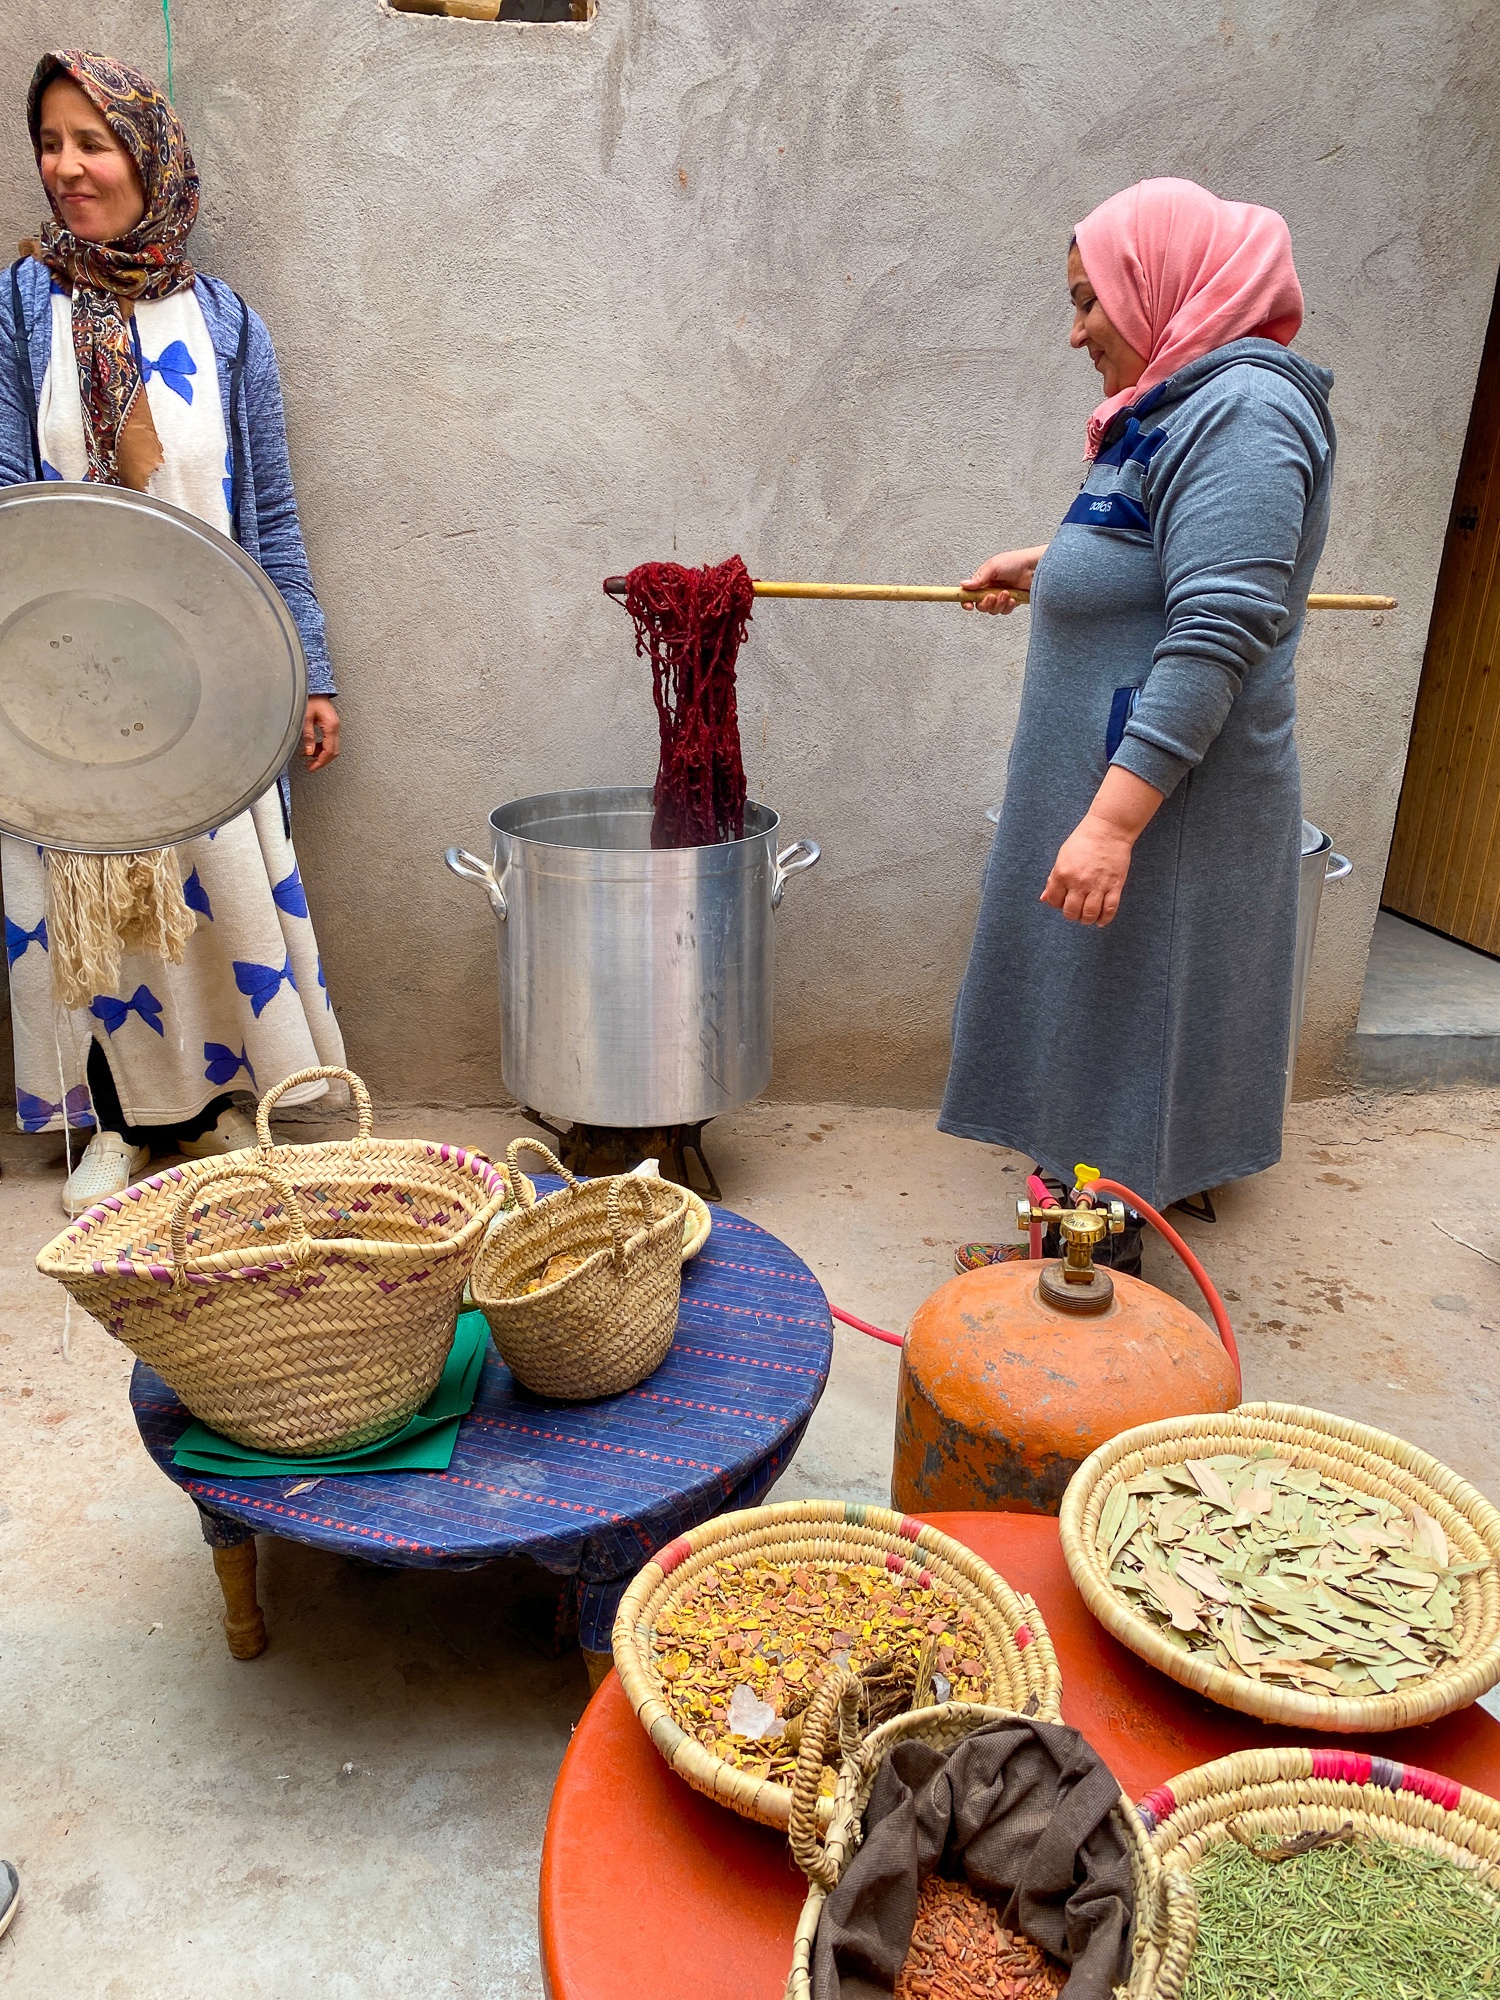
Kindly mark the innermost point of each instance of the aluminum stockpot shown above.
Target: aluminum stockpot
(636, 983)
(1318, 867)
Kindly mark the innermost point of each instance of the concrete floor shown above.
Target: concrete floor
(1430, 1014)
(360, 1811)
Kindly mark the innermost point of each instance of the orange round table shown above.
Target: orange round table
(648, 1888)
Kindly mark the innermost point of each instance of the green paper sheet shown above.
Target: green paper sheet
(423, 1444)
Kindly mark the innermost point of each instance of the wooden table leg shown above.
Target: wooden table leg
(598, 1665)
(244, 1625)
(233, 1545)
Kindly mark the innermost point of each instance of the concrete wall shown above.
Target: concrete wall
(788, 279)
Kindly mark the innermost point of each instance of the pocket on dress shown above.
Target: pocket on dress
(1120, 711)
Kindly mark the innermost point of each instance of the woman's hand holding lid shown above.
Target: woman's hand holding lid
(320, 732)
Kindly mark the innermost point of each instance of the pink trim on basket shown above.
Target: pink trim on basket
(1431, 1785)
(1344, 1767)
(1023, 1637)
(1157, 1806)
(1353, 1767)
(909, 1528)
(673, 1554)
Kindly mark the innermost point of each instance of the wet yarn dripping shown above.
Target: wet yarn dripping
(691, 623)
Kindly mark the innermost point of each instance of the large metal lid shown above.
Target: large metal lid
(152, 681)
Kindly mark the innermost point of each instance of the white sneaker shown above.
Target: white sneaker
(109, 1165)
(233, 1133)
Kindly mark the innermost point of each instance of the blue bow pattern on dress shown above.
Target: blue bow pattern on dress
(36, 1114)
(327, 1002)
(174, 365)
(261, 983)
(196, 896)
(19, 942)
(228, 480)
(113, 1012)
(222, 1065)
(289, 894)
(49, 471)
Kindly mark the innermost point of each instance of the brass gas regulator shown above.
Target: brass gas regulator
(1074, 1285)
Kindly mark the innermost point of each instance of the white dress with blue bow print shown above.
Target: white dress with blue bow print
(248, 1005)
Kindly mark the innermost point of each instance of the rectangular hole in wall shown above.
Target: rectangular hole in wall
(501, 10)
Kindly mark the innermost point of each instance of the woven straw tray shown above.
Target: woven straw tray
(1166, 1903)
(1020, 1665)
(1369, 1460)
(1274, 1795)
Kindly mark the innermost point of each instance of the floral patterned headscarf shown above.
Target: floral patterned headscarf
(106, 279)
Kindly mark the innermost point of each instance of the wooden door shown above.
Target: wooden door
(1444, 869)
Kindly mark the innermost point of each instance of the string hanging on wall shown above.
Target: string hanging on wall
(166, 15)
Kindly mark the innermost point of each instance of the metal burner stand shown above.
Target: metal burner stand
(614, 1149)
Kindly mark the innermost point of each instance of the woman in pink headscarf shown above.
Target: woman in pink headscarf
(1128, 997)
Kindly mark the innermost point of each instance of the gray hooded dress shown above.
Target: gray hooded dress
(1164, 621)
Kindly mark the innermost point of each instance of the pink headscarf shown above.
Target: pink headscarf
(1180, 272)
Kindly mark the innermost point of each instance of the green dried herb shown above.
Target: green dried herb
(1367, 1921)
(1285, 1576)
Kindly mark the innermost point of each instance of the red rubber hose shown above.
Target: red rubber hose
(1041, 1197)
(1204, 1283)
(863, 1326)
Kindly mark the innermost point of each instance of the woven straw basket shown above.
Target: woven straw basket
(299, 1299)
(606, 1326)
(1166, 1903)
(1372, 1462)
(1275, 1795)
(1020, 1665)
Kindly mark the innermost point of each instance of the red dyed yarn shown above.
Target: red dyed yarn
(692, 624)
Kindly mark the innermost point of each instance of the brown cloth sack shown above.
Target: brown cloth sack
(1021, 1810)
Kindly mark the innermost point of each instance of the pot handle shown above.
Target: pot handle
(1338, 866)
(793, 860)
(469, 868)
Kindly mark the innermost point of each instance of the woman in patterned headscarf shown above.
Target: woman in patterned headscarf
(121, 364)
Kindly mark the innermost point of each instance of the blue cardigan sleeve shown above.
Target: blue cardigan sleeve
(1229, 494)
(16, 466)
(282, 553)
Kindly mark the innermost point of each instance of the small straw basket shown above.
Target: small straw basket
(602, 1328)
(299, 1299)
(1275, 1795)
(1166, 1902)
(1020, 1665)
(1372, 1462)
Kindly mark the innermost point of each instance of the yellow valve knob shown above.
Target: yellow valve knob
(1085, 1176)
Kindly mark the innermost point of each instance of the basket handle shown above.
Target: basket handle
(554, 1166)
(834, 1706)
(278, 1090)
(1175, 1929)
(245, 1168)
(612, 1209)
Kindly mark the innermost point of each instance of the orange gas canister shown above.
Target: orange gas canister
(1012, 1374)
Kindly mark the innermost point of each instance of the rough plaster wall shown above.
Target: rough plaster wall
(785, 279)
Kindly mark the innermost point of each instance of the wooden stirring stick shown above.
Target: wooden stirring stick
(940, 593)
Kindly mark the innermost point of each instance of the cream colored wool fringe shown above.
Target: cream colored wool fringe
(100, 906)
